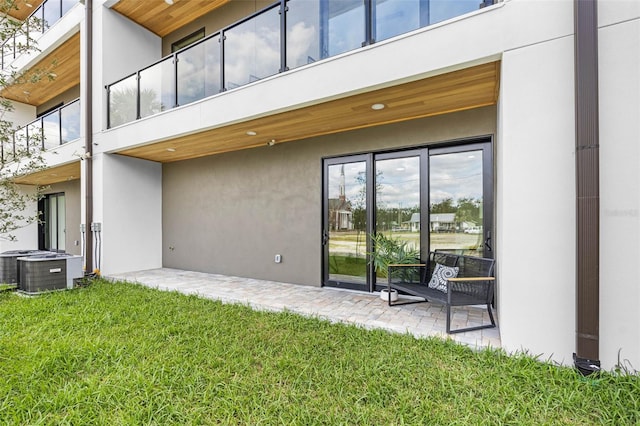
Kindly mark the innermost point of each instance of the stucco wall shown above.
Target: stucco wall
(536, 200)
(619, 71)
(232, 213)
(127, 203)
(25, 238)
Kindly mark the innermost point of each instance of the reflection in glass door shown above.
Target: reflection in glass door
(430, 198)
(457, 200)
(345, 233)
(397, 186)
(53, 223)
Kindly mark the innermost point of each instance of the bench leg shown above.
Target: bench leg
(493, 322)
(479, 327)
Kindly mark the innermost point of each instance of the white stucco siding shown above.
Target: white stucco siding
(128, 194)
(26, 237)
(619, 92)
(536, 200)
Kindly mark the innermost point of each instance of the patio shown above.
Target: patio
(363, 309)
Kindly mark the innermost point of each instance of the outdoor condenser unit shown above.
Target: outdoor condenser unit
(9, 273)
(47, 272)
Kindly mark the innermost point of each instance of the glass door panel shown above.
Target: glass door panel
(345, 233)
(456, 202)
(53, 223)
(397, 204)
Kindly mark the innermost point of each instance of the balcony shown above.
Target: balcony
(53, 129)
(286, 35)
(36, 24)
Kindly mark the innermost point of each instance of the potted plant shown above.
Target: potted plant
(388, 251)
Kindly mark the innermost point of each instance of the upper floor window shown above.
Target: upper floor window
(186, 41)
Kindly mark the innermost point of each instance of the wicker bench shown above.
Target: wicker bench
(474, 284)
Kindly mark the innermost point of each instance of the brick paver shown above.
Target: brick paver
(363, 309)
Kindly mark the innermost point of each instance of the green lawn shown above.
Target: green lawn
(123, 354)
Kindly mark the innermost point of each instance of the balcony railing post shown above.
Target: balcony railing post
(108, 87)
(222, 59)
(60, 121)
(138, 94)
(369, 12)
(42, 132)
(175, 80)
(283, 35)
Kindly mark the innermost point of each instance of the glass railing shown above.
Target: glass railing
(47, 14)
(55, 128)
(283, 36)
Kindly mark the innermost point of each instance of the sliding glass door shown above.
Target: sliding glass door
(426, 199)
(345, 241)
(460, 188)
(52, 226)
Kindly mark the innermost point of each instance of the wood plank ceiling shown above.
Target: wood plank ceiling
(23, 8)
(465, 89)
(64, 62)
(162, 18)
(63, 173)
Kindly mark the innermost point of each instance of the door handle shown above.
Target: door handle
(487, 242)
(325, 237)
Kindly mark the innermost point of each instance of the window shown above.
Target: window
(186, 41)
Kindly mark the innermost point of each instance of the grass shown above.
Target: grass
(125, 354)
(348, 265)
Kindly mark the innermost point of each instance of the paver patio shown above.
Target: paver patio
(363, 309)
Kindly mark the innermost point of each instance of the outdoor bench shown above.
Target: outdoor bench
(471, 284)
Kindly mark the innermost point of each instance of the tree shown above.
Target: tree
(22, 149)
(444, 206)
(468, 211)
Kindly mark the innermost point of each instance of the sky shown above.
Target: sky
(456, 175)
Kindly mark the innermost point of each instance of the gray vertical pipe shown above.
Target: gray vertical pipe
(88, 137)
(587, 187)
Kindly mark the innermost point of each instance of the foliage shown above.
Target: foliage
(387, 250)
(123, 354)
(123, 105)
(19, 155)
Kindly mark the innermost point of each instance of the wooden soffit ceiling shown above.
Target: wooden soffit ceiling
(23, 8)
(162, 18)
(455, 91)
(63, 62)
(52, 175)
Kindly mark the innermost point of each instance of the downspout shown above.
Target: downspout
(586, 357)
(88, 137)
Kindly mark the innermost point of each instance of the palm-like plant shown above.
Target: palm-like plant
(388, 251)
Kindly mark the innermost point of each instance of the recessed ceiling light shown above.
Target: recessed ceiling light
(169, 2)
(251, 133)
(171, 149)
(377, 107)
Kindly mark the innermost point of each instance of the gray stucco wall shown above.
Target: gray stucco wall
(231, 213)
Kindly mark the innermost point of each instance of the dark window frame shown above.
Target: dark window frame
(188, 40)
